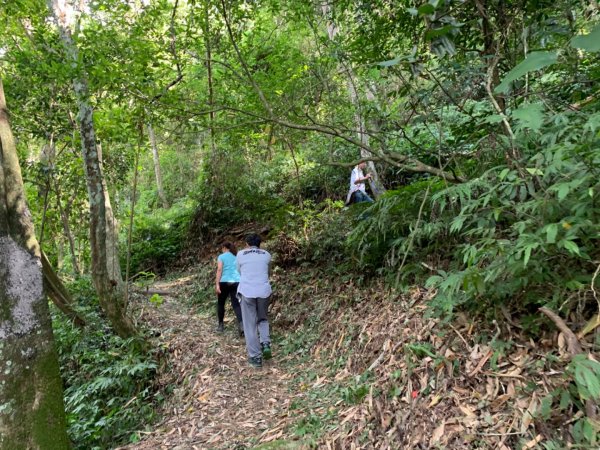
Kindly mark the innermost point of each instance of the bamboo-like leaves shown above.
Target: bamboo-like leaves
(534, 61)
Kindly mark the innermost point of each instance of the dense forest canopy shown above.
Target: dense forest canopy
(149, 130)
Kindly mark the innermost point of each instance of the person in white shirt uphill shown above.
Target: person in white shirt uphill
(358, 192)
(254, 291)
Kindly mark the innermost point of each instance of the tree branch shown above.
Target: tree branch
(573, 344)
(173, 49)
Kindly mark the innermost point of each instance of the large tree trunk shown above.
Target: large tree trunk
(32, 412)
(157, 173)
(106, 272)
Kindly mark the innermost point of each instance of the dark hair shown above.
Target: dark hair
(253, 240)
(230, 246)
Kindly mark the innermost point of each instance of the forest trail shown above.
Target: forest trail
(218, 400)
(365, 368)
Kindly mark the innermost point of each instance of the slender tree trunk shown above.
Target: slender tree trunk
(58, 293)
(157, 173)
(106, 272)
(32, 411)
(361, 129)
(215, 160)
(48, 157)
(491, 52)
(113, 263)
(211, 94)
(64, 217)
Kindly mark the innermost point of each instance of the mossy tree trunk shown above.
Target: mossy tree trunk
(106, 272)
(32, 414)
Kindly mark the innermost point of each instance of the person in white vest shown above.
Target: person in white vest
(254, 291)
(358, 192)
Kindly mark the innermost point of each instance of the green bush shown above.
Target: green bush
(518, 236)
(236, 194)
(319, 231)
(528, 236)
(158, 238)
(391, 234)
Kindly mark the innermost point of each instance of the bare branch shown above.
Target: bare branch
(573, 344)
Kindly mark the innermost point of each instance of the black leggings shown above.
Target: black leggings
(228, 289)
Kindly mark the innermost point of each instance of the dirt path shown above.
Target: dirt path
(218, 401)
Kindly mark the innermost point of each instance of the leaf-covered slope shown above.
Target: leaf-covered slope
(360, 366)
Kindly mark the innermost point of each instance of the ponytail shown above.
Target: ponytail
(231, 247)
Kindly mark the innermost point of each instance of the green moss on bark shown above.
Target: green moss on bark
(32, 412)
(31, 403)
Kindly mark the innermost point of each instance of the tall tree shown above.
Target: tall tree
(157, 172)
(361, 127)
(103, 236)
(31, 404)
(209, 78)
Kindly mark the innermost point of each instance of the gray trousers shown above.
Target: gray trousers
(256, 324)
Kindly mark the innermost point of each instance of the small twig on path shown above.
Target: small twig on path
(475, 371)
(461, 337)
(508, 433)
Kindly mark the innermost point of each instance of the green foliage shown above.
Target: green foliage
(392, 231)
(319, 232)
(589, 42)
(109, 391)
(522, 231)
(586, 374)
(355, 393)
(583, 378)
(158, 238)
(527, 237)
(237, 193)
(156, 300)
(534, 61)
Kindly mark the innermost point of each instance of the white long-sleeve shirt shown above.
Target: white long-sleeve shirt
(357, 174)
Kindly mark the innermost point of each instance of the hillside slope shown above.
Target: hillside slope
(354, 367)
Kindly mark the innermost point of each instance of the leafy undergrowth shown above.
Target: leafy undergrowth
(363, 366)
(109, 381)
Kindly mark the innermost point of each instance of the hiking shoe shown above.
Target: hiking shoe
(266, 350)
(255, 362)
(220, 328)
